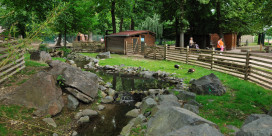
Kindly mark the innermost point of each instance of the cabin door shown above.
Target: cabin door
(135, 45)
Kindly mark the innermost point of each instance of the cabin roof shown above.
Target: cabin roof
(131, 33)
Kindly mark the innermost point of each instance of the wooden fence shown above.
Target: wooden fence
(247, 65)
(11, 60)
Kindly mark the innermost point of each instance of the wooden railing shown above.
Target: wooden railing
(11, 60)
(88, 46)
(245, 65)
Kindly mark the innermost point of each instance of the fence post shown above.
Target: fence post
(212, 61)
(126, 48)
(247, 71)
(145, 48)
(165, 48)
(187, 54)
(154, 52)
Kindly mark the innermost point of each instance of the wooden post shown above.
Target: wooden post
(126, 48)
(212, 60)
(154, 52)
(145, 47)
(187, 54)
(247, 70)
(165, 48)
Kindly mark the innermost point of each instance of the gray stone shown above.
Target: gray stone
(155, 91)
(186, 96)
(88, 112)
(108, 84)
(126, 130)
(79, 95)
(197, 130)
(253, 117)
(209, 84)
(194, 102)
(139, 119)
(50, 122)
(133, 113)
(169, 97)
(111, 92)
(55, 134)
(100, 107)
(107, 99)
(103, 55)
(258, 127)
(78, 115)
(72, 102)
(148, 104)
(75, 133)
(147, 74)
(173, 118)
(40, 92)
(138, 104)
(84, 119)
(192, 108)
(40, 56)
(102, 88)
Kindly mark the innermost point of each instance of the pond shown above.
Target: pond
(112, 119)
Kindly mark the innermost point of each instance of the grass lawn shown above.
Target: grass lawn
(242, 98)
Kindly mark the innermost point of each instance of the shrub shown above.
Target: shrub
(43, 47)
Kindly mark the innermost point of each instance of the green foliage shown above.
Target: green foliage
(31, 63)
(65, 50)
(60, 80)
(153, 25)
(43, 47)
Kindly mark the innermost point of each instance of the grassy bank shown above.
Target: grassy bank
(242, 98)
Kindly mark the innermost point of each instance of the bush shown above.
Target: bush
(65, 50)
(43, 47)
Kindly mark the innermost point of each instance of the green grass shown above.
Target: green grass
(32, 63)
(242, 98)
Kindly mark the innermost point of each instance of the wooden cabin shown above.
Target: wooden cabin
(229, 38)
(116, 42)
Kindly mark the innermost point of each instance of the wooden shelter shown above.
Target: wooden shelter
(229, 38)
(117, 42)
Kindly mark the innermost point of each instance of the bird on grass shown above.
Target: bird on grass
(191, 70)
(176, 66)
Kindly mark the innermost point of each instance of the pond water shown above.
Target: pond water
(112, 119)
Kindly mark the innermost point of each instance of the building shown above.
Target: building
(116, 42)
(248, 38)
(230, 40)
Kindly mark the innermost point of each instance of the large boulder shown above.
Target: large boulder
(39, 92)
(103, 55)
(173, 118)
(209, 84)
(82, 84)
(72, 102)
(147, 104)
(197, 130)
(82, 60)
(270, 112)
(40, 56)
(259, 127)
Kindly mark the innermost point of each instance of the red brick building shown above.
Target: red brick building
(116, 42)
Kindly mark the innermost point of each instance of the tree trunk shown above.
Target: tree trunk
(113, 16)
(132, 25)
(121, 25)
(181, 39)
(90, 36)
(177, 32)
(65, 32)
(59, 40)
(239, 35)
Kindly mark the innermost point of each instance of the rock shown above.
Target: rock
(270, 112)
(233, 128)
(259, 127)
(74, 133)
(103, 94)
(79, 95)
(103, 55)
(173, 118)
(40, 92)
(148, 104)
(155, 91)
(209, 84)
(40, 56)
(108, 84)
(111, 92)
(102, 88)
(88, 112)
(82, 60)
(169, 97)
(55, 134)
(186, 96)
(126, 130)
(139, 119)
(107, 99)
(100, 107)
(133, 113)
(83, 81)
(78, 115)
(193, 108)
(253, 117)
(84, 119)
(50, 122)
(147, 74)
(194, 102)
(138, 104)
(72, 102)
(197, 130)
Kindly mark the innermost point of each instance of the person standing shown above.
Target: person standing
(191, 42)
(220, 45)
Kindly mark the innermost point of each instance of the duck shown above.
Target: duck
(191, 70)
(176, 66)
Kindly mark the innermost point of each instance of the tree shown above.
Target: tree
(153, 24)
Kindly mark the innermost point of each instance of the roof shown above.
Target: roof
(131, 33)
